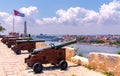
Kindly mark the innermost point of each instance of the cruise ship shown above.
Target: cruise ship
(49, 37)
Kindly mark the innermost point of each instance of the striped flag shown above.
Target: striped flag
(17, 13)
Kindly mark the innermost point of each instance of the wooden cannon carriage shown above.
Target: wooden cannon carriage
(53, 54)
(6, 38)
(29, 45)
(12, 41)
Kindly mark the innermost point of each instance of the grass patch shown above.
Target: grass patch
(89, 67)
(105, 73)
(73, 75)
(108, 74)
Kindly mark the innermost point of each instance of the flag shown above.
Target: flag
(17, 13)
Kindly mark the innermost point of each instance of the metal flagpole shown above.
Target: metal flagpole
(25, 26)
(13, 22)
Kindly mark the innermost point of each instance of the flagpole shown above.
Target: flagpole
(25, 26)
(13, 22)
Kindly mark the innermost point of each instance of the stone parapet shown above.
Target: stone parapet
(105, 62)
(70, 52)
(40, 45)
(80, 60)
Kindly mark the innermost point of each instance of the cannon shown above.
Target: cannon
(25, 45)
(6, 38)
(53, 54)
(12, 41)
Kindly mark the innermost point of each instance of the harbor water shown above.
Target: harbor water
(85, 49)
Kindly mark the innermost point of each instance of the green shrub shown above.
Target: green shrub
(30, 38)
(118, 52)
(81, 38)
(80, 54)
(99, 41)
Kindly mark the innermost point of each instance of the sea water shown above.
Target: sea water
(85, 49)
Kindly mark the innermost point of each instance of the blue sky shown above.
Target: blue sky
(62, 16)
(49, 7)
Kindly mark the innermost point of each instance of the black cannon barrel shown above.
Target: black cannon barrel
(65, 44)
(17, 39)
(21, 41)
(54, 46)
(9, 37)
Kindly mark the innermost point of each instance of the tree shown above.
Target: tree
(2, 29)
(99, 41)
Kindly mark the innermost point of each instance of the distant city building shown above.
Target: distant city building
(92, 38)
(69, 37)
(14, 34)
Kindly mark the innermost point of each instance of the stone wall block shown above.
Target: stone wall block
(80, 60)
(105, 62)
(70, 52)
(40, 45)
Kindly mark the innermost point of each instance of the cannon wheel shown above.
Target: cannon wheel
(63, 65)
(4, 42)
(18, 52)
(9, 46)
(37, 68)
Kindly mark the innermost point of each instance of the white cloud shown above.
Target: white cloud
(106, 20)
(73, 16)
(110, 13)
(30, 11)
(75, 20)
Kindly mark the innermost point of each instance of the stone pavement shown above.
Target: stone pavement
(13, 65)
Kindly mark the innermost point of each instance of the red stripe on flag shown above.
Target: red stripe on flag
(16, 12)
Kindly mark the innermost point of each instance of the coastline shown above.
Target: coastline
(94, 44)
